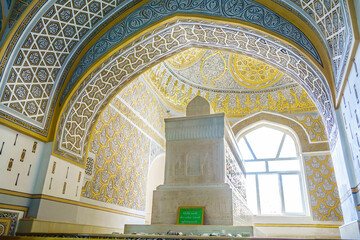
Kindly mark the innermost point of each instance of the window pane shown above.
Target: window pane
(265, 142)
(244, 150)
(284, 165)
(270, 201)
(292, 193)
(255, 166)
(251, 195)
(268, 179)
(288, 149)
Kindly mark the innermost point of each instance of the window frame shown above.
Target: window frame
(300, 173)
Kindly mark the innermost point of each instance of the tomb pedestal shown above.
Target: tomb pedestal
(203, 168)
(194, 171)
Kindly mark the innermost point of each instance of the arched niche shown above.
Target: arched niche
(95, 90)
(296, 129)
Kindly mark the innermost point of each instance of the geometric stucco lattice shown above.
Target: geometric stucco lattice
(139, 98)
(246, 10)
(173, 37)
(324, 195)
(129, 133)
(121, 162)
(333, 20)
(236, 179)
(31, 82)
(66, 22)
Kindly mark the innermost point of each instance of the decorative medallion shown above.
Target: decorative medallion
(176, 94)
(253, 73)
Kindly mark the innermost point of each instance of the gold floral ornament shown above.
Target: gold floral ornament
(186, 58)
(176, 95)
(252, 73)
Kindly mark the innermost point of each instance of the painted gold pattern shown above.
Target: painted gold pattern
(314, 127)
(339, 21)
(324, 196)
(23, 155)
(123, 141)
(121, 162)
(253, 73)
(64, 188)
(34, 147)
(80, 110)
(235, 105)
(304, 139)
(141, 100)
(5, 224)
(53, 167)
(126, 111)
(11, 161)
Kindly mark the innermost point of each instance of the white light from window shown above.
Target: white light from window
(284, 165)
(260, 144)
(292, 194)
(255, 166)
(245, 152)
(251, 195)
(273, 185)
(288, 148)
(270, 201)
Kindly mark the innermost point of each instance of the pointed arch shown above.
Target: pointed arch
(298, 130)
(96, 88)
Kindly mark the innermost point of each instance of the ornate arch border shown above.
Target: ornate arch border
(305, 143)
(125, 21)
(128, 60)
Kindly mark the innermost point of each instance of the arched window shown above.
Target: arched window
(274, 176)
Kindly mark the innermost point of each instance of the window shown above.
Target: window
(274, 177)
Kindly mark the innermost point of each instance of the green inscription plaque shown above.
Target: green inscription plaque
(190, 215)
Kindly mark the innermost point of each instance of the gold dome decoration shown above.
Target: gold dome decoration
(252, 73)
(176, 95)
(186, 58)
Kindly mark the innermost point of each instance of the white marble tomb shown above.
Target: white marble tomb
(203, 168)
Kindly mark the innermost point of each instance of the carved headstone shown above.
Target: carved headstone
(196, 173)
(195, 167)
(198, 106)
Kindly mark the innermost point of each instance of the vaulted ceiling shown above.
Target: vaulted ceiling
(62, 61)
(234, 84)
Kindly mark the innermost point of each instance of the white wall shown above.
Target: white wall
(63, 179)
(22, 175)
